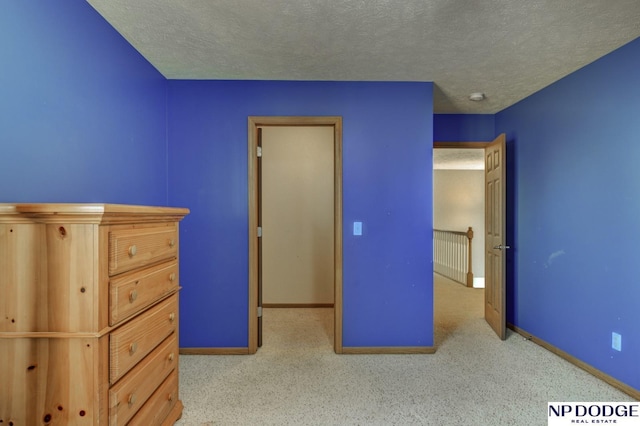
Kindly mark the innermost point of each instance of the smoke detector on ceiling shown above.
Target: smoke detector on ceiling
(477, 96)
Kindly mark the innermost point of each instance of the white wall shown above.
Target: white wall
(458, 202)
(297, 215)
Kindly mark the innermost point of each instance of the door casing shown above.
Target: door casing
(291, 121)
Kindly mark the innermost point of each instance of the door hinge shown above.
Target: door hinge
(259, 151)
(259, 231)
(259, 311)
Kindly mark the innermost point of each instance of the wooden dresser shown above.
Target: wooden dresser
(89, 314)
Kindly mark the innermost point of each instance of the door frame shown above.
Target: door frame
(292, 121)
(483, 146)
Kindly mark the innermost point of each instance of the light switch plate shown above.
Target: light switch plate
(616, 341)
(357, 228)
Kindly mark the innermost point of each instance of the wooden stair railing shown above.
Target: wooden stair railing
(452, 255)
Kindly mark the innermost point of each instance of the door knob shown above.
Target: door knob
(501, 247)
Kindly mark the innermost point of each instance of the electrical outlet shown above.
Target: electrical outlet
(357, 228)
(616, 341)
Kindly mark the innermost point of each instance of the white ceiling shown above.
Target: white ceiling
(507, 49)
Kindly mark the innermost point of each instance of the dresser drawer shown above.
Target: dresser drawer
(131, 393)
(160, 404)
(132, 292)
(134, 340)
(134, 248)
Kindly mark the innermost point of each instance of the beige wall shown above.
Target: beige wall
(297, 215)
(458, 202)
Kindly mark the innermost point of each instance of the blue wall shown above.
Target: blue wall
(575, 155)
(464, 127)
(387, 184)
(83, 117)
(82, 114)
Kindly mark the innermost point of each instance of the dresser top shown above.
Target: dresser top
(87, 213)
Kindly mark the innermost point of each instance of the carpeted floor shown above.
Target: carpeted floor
(472, 379)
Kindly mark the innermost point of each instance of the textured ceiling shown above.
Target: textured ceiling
(507, 49)
(458, 159)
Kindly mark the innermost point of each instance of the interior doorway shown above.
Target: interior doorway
(459, 203)
(297, 216)
(269, 136)
(494, 157)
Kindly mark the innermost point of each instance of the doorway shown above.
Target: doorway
(494, 233)
(459, 204)
(297, 216)
(260, 250)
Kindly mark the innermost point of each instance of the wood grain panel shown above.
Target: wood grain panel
(129, 395)
(133, 341)
(160, 404)
(495, 242)
(72, 253)
(49, 277)
(97, 213)
(132, 292)
(23, 305)
(134, 248)
(52, 381)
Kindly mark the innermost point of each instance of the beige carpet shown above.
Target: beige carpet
(473, 378)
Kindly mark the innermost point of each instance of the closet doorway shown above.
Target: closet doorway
(295, 221)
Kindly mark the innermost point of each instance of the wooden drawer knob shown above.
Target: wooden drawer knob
(133, 348)
(170, 397)
(172, 317)
(133, 250)
(132, 399)
(172, 242)
(133, 295)
(171, 357)
(172, 276)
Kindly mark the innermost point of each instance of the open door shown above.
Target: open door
(495, 227)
